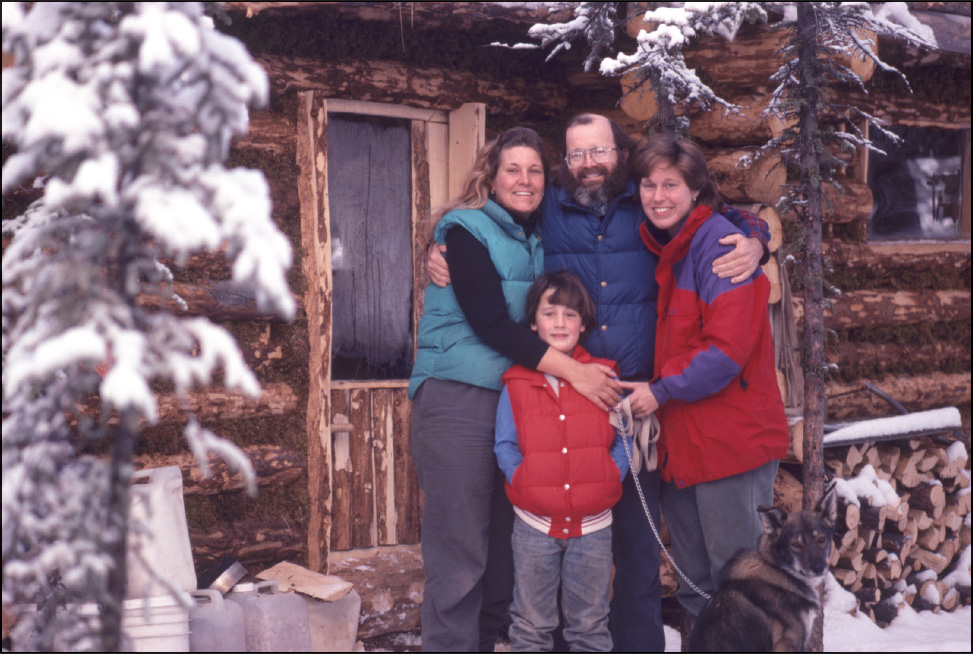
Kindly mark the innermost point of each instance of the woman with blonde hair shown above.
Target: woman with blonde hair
(470, 333)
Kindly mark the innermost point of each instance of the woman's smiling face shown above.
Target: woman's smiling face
(519, 183)
(666, 198)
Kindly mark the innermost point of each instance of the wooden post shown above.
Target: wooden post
(467, 134)
(312, 148)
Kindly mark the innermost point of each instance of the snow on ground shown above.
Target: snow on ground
(910, 632)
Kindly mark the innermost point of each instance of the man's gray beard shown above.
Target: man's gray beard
(595, 200)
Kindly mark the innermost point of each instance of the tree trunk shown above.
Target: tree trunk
(120, 476)
(813, 339)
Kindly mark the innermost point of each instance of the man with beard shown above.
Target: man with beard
(590, 221)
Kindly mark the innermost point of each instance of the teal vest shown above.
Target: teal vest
(447, 347)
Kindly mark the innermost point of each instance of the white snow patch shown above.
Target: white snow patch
(868, 485)
(945, 418)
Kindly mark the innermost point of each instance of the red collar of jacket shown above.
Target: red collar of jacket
(676, 249)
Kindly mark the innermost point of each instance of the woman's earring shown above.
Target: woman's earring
(493, 191)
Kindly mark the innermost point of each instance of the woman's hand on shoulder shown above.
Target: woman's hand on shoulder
(436, 265)
(742, 261)
(597, 383)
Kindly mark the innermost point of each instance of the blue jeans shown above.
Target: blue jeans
(581, 566)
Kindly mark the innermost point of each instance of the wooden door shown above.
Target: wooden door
(371, 174)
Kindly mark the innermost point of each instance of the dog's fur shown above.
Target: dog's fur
(768, 598)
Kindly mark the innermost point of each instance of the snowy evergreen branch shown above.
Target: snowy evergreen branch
(841, 36)
(128, 109)
(594, 22)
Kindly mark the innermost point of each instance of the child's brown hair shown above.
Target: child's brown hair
(569, 291)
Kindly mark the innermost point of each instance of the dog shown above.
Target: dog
(768, 598)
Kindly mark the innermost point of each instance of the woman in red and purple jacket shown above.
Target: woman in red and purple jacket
(714, 387)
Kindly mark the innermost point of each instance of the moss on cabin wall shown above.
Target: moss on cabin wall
(943, 85)
(336, 38)
(915, 336)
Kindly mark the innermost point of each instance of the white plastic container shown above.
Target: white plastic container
(274, 622)
(216, 625)
(158, 537)
(156, 624)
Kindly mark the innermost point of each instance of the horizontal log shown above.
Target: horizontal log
(870, 309)
(746, 126)
(416, 15)
(884, 261)
(852, 203)
(918, 393)
(219, 301)
(268, 132)
(255, 545)
(760, 181)
(880, 357)
(904, 108)
(272, 464)
(397, 83)
(213, 404)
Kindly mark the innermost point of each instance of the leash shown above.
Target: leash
(627, 430)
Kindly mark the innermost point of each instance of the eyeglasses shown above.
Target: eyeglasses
(598, 154)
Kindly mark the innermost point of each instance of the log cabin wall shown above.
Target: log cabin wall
(332, 455)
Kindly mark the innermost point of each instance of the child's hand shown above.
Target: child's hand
(642, 400)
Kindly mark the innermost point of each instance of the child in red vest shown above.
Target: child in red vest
(564, 465)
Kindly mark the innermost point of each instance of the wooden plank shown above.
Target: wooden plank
(467, 134)
(382, 439)
(408, 496)
(343, 483)
(363, 108)
(421, 229)
(312, 143)
(363, 476)
(437, 153)
(349, 384)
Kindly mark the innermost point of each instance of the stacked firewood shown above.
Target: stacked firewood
(903, 524)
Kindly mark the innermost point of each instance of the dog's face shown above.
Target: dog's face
(800, 543)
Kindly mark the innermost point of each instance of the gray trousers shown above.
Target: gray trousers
(710, 522)
(466, 519)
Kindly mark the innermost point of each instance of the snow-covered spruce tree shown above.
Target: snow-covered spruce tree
(126, 111)
(658, 59)
(823, 35)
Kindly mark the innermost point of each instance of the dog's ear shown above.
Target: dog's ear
(772, 518)
(827, 506)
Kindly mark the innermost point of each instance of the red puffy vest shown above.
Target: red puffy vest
(567, 473)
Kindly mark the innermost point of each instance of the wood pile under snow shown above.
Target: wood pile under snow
(903, 532)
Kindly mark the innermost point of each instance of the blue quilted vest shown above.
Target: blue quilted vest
(447, 347)
(616, 268)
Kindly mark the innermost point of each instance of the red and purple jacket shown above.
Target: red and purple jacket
(720, 407)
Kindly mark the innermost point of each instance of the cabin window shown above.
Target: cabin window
(370, 195)
(918, 184)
